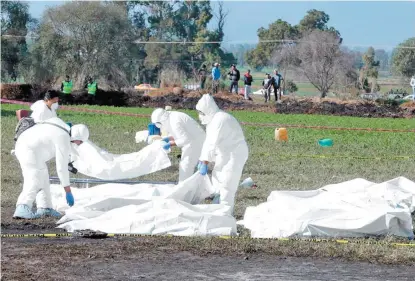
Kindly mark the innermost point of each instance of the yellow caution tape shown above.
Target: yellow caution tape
(120, 235)
(288, 156)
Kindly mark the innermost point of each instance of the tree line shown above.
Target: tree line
(119, 42)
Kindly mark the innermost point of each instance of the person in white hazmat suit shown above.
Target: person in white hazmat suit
(225, 145)
(183, 132)
(46, 108)
(34, 148)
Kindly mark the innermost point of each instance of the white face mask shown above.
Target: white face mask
(158, 125)
(54, 106)
(202, 119)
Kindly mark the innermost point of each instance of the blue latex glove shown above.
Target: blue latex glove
(203, 168)
(198, 165)
(69, 199)
(166, 139)
(167, 146)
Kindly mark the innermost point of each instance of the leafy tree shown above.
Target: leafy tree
(403, 58)
(185, 21)
(281, 32)
(383, 58)
(15, 25)
(315, 19)
(369, 71)
(261, 55)
(84, 38)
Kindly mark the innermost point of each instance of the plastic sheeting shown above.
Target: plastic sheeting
(353, 208)
(95, 162)
(146, 209)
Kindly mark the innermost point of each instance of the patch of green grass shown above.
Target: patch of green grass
(272, 165)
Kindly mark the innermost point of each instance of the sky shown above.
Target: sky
(382, 25)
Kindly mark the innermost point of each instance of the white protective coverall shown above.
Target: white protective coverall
(188, 135)
(34, 148)
(41, 112)
(225, 145)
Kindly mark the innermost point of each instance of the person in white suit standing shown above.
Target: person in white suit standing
(412, 83)
(225, 145)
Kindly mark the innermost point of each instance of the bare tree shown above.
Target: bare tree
(221, 16)
(285, 57)
(319, 58)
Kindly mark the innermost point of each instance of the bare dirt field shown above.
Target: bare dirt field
(138, 259)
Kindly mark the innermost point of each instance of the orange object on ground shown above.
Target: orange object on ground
(281, 134)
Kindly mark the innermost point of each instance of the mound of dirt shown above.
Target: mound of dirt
(342, 108)
(186, 99)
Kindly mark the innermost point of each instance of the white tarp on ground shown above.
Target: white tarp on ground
(354, 208)
(95, 162)
(146, 209)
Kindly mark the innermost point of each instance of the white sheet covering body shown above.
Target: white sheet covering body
(95, 162)
(146, 209)
(353, 208)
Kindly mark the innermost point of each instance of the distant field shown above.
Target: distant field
(305, 88)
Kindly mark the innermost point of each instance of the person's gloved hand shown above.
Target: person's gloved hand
(166, 146)
(166, 139)
(198, 165)
(69, 199)
(72, 169)
(203, 168)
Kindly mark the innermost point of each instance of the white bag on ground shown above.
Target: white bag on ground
(355, 208)
(92, 161)
(141, 136)
(146, 209)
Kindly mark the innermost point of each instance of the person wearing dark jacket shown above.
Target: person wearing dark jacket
(248, 82)
(277, 78)
(202, 76)
(267, 83)
(234, 76)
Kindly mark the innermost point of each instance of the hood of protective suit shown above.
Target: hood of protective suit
(79, 132)
(39, 105)
(208, 107)
(160, 115)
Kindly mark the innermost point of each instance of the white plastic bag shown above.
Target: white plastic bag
(92, 161)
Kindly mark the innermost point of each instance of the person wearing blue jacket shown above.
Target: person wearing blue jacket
(215, 77)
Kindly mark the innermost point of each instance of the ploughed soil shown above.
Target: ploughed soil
(288, 105)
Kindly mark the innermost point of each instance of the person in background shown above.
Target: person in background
(248, 82)
(267, 84)
(183, 132)
(35, 147)
(46, 108)
(225, 145)
(277, 78)
(215, 77)
(92, 88)
(202, 76)
(412, 83)
(66, 89)
(234, 76)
